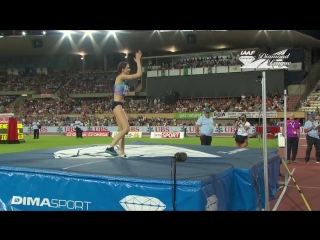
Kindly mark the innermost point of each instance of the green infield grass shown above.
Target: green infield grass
(46, 142)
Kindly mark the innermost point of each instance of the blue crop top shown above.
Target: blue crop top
(121, 89)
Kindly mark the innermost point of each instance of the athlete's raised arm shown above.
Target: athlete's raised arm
(137, 59)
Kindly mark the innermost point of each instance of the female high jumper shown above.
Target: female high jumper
(120, 90)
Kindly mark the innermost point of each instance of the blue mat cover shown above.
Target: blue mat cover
(85, 178)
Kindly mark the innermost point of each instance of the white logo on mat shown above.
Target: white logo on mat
(132, 151)
(4, 208)
(141, 203)
(212, 203)
(264, 60)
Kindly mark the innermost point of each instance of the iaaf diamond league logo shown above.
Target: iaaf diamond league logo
(264, 60)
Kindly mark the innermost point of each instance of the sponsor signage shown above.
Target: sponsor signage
(188, 115)
(50, 203)
(89, 134)
(224, 115)
(167, 135)
(46, 95)
(248, 114)
(129, 135)
(142, 129)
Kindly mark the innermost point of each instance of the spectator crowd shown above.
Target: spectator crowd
(73, 83)
(212, 61)
(41, 83)
(50, 111)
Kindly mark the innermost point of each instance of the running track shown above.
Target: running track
(307, 177)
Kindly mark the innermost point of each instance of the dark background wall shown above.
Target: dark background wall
(215, 85)
(144, 80)
(296, 55)
(294, 77)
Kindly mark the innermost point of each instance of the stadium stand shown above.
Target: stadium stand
(210, 61)
(5, 101)
(88, 93)
(49, 111)
(312, 102)
(41, 83)
(102, 105)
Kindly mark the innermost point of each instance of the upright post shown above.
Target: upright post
(265, 145)
(286, 175)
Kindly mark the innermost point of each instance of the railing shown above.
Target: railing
(213, 70)
(305, 87)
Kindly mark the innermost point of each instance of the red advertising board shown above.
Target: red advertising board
(89, 134)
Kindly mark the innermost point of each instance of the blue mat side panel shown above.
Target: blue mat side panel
(254, 172)
(217, 192)
(273, 170)
(249, 185)
(32, 190)
(244, 192)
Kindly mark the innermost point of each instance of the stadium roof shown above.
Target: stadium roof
(151, 42)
